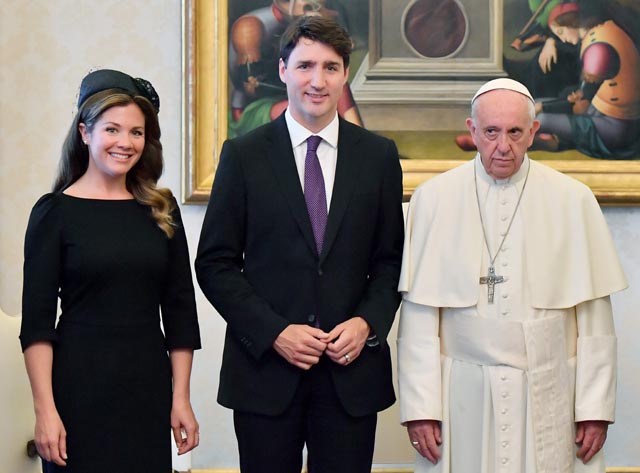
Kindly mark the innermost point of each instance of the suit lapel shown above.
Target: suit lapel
(346, 173)
(281, 157)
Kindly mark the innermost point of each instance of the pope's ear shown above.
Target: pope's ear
(470, 126)
(535, 127)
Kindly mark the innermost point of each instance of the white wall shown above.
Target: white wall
(47, 46)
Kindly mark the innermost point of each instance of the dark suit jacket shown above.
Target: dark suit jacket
(257, 264)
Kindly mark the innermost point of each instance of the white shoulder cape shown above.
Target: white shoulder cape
(569, 254)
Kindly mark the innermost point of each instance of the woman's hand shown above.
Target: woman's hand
(186, 430)
(51, 437)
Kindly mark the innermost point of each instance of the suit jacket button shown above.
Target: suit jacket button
(320, 272)
(311, 318)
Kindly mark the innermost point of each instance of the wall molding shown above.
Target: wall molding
(611, 469)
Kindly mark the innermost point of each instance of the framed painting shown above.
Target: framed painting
(217, 101)
(408, 84)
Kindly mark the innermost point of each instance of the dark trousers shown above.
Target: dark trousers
(336, 442)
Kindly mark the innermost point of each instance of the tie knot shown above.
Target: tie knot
(313, 142)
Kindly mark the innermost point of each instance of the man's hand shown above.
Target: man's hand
(251, 85)
(575, 96)
(548, 55)
(590, 436)
(301, 345)
(425, 436)
(346, 340)
(538, 107)
(580, 107)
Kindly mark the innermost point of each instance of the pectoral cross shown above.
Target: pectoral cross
(491, 280)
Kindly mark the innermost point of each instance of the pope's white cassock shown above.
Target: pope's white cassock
(507, 379)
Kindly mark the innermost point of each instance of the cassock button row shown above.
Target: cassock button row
(504, 411)
(504, 218)
(504, 428)
(505, 444)
(503, 201)
(505, 264)
(504, 461)
(504, 296)
(503, 378)
(504, 394)
(504, 313)
(503, 233)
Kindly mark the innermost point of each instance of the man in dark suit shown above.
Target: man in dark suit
(308, 298)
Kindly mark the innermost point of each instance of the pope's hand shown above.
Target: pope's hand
(425, 437)
(590, 436)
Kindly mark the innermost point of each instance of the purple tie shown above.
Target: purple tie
(314, 193)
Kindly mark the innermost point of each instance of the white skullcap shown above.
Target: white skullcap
(503, 83)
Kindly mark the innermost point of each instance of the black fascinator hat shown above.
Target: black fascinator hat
(104, 79)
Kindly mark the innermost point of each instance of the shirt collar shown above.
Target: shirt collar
(299, 133)
(517, 177)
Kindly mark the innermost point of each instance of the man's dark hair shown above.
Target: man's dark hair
(316, 28)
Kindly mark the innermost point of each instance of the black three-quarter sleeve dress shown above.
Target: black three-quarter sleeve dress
(114, 271)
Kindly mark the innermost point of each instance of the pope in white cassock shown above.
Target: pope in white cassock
(506, 343)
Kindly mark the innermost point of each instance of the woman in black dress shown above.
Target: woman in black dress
(111, 246)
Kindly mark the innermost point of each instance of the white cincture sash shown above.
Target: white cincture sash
(537, 347)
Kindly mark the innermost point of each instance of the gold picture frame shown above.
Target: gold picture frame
(205, 97)
(205, 109)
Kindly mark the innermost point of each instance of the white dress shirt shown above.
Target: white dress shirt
(327, 151)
